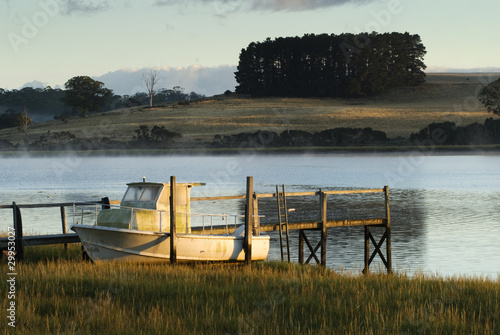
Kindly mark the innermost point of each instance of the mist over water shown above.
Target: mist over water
(444, 209)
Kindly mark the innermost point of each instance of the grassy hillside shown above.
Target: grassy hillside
(399, 112)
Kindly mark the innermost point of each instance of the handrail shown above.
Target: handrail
(226, 216)
(55, 204)
(289, 194)
(228, 197)
(375, 190)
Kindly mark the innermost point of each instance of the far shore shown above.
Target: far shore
(347, 150)
(399, 113)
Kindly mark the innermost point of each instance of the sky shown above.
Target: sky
(195, 44)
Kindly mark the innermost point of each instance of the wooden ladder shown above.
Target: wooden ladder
(283, 223)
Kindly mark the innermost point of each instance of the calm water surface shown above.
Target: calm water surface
(444, 209)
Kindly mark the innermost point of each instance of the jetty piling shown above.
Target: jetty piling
(323, 213)
(385, 237)
(63, 224)
(249, 213)
(18, 231)
(173, 228)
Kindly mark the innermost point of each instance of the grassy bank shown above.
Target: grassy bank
(398, 112)
(57, 293)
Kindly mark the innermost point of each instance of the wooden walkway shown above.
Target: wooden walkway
(65, 238)
(253, 225)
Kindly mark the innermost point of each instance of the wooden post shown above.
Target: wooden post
(18, 230)
(247, 245)
(173, 232)
(301, 246)
(388, 230)
(322, 198)
(63, 222)
(366, 269)
(256, 220)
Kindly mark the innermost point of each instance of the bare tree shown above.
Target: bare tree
(150, 80)
(23, 123)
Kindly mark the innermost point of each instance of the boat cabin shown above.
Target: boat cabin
(146, 206)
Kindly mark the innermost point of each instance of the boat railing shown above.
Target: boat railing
(82, 212)
(223, 217)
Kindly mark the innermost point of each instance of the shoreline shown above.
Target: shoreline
(351, 150)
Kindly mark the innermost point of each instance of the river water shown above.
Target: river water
(444, 208)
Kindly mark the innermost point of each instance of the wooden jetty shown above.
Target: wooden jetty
(252, 225)
(321, 225)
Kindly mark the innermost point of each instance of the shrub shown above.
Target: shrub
(448, 133)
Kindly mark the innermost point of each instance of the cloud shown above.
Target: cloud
(222, 7)
(300, 5)
(86, 7)
(35, 84)
(203, 80)
(162, 3)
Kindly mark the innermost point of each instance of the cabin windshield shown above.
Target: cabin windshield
(142, 193)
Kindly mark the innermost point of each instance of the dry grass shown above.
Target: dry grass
(399, 112)
(58, 293)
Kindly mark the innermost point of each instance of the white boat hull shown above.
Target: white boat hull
(128, 245)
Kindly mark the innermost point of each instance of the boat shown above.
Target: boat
(138, 230)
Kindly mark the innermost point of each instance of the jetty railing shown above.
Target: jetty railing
(65, 238)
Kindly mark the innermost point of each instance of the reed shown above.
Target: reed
(59, 293)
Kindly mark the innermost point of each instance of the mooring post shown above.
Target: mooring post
(18, 231)
(322, 197)
(388, 229)
(173, 233)
(301, 246)
(247, 245)
(366, 269)
(63, 223)
(256, 220)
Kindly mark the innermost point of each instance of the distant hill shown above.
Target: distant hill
(398, 112)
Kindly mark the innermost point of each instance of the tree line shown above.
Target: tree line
(346, 65)
(81, 95)
(158, 137)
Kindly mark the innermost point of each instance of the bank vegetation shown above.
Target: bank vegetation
(59, 293)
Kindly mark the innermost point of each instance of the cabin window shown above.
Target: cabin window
(142, 193)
